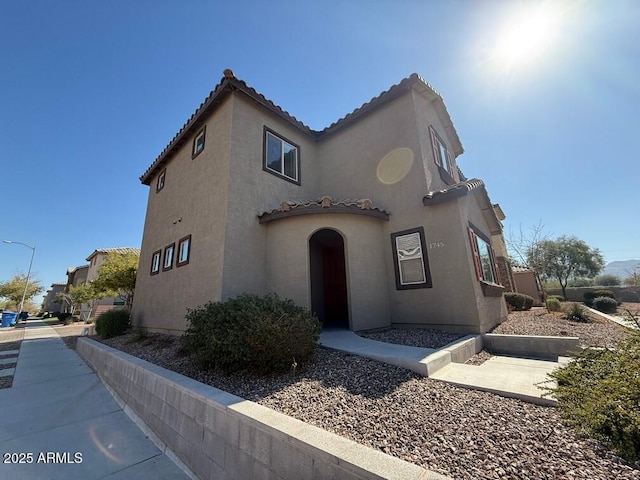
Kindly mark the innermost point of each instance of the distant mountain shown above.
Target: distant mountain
(622, 268)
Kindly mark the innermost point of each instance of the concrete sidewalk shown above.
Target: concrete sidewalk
(61, 422)
(503, 375)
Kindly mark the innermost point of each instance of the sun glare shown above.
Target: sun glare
(526, 36)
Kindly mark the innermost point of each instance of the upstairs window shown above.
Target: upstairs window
(281, 157)
(198, 143)
(443, 158)
(160, 183)
(410, 259)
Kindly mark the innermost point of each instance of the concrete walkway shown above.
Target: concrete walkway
(61, 421)
(614, 318)
(503, 375)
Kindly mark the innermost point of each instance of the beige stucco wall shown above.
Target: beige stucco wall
(217, 196)
(253, 191)
(526, 283)
(192, 202)
(288, 263)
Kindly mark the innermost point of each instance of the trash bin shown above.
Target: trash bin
(23, 316)
(9, 318)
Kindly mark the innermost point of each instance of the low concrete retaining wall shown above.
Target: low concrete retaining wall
(530, 346)
(222, 436)
(457, 352)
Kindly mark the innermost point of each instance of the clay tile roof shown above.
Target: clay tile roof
(324, 205)
(119, 250)
(229, 83)
(452, 191)
(518, 269)
(74, 269)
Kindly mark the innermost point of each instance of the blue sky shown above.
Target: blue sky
(92, 91)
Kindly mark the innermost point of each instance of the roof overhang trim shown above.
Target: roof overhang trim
(324, 206)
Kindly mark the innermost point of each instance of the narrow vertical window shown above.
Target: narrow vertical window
(155, 262)
(442, 157)
(167, 263)
(160, 183)
(198, 143)
(184, 249)
(410, 259)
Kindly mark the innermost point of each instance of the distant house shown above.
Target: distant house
(86, 273)
(527, 283)
(76, 276)
(369, 223)
(50, 302)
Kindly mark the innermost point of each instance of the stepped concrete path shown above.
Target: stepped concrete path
(59, 421)
(508, 376)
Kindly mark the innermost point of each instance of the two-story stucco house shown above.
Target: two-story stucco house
(369, 222)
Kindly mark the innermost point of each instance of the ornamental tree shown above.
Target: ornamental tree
(12, 290)
(565, 258)
(117, 276)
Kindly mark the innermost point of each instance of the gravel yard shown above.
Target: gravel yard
(458, 432)
(599, 333)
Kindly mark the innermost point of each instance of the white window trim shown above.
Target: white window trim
(200, 135)
(156, 260)
(183, 241)
(167, 258)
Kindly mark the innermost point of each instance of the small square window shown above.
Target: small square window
(281, 157)
(167, 263)
(198, 143)
(160, 183)
(184, 250)
(155, 262)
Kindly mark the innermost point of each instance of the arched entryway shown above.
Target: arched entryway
(328, 278)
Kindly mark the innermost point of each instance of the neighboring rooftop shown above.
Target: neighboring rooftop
(118, 250)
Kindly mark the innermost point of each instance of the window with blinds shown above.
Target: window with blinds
(410, 259)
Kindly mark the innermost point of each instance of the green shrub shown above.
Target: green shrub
(599, 395)
(605, 304)
(553, 304)
(65, 318)
(577, 313)
(518, 301)
(261, 334)
(590, 296)
(112, 323)
(560, 298)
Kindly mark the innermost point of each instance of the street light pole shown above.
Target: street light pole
(26, 283)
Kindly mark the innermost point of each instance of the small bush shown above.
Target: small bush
(599, 395)
(65, 318)
(139, 334)
(112, 323)
(553, 304)
(519, 301)
(261, 334)
(590, 296)
(560, 298)
(605, 304)
(577, 313)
